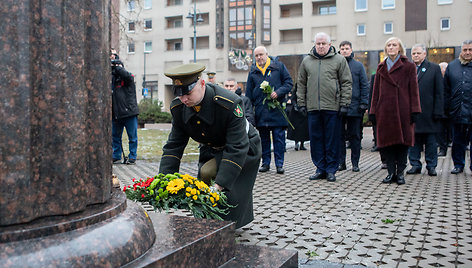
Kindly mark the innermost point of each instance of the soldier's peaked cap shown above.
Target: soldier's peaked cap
(184, 77)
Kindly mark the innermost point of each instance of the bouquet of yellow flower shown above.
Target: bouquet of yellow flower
(178, 191)
(273, 103)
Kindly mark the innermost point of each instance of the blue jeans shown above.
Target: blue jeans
(131, 125)
(462, 136)
(325, 135)
(278, 137)
(430, 150)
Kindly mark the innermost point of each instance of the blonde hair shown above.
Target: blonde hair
(402, 47)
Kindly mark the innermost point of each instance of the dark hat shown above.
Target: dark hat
(211, 74)
(184, 77)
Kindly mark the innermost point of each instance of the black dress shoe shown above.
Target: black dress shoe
(432, 172)
(342, 166)
(296, 146)
(264, 168)
(280, 170)
(400, 179)
(317, 176)
(389, 179)
(330, 177)
(414, 170)
(457, 170)
(302, 147)
(442, 153)
(355, 169)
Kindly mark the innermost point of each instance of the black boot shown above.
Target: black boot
(400, 179)
(302, 147)
(389, 179)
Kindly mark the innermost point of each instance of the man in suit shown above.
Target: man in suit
(428, 124)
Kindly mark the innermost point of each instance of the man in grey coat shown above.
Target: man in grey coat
(324, 91)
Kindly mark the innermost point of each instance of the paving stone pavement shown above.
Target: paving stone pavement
(346, 223)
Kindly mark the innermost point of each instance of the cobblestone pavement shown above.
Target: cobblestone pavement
(356, 220)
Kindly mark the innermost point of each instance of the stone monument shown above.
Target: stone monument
(57, 205)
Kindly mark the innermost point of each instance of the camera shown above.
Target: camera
(115, 62)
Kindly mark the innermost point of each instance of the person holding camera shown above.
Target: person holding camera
(124, 111)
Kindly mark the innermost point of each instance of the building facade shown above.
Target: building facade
(158, 34)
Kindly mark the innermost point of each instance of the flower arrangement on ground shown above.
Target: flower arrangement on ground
(178, 191)
(273, 103)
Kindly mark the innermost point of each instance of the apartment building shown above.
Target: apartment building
(158, 34)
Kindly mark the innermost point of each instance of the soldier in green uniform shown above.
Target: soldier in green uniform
(230, 147)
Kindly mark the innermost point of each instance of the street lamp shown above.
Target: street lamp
(195, 20)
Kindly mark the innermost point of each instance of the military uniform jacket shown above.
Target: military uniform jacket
(220, 126)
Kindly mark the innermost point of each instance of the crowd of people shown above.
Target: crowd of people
(414, 105)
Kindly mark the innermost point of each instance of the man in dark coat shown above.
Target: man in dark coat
(269, 119)
(458, 88)
(124, 111)
(428, 123)
(230, 150)
(230, 84)
(351, 125)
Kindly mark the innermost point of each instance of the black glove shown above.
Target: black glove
(372, 119)
(343, 111)
(413, 118)
(302, 110)
(362, 108)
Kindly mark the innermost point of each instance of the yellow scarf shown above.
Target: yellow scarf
(263, 69)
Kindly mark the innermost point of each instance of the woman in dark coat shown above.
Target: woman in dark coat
(395, 106)
(299, 121)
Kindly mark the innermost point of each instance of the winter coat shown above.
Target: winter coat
(431, 86)
(124, 102)
(279, 79)
(298, 119)
(395, 97)
(324, 83)
(360, 87)
(458, 91)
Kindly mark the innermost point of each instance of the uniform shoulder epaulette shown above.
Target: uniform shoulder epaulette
(225, 98)
(175, 103)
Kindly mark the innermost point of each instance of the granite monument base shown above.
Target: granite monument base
(110, 235)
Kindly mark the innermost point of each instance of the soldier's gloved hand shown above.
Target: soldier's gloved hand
(372, 119)
(302, 110)
(362, 108)
(413, 118)
(343, 111)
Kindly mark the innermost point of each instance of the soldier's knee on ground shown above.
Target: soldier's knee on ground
(208, 171)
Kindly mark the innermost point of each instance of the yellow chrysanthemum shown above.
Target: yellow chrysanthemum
(216, 196)
(188, 178)
(212, 199)
(188, 189)
(188, 194)
(201, 185)
(195, 197)
(194, 191)
(214, 205)
(175, 185)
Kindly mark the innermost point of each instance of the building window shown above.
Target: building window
(203, 42)
(148, 24)
(292, 10)
(131, 5)
(174, 44)
(328, 10)
(291, 36)
(147, 4)
(131, 26)
(360, 29)
(131, 48)
(388, 4)
(360, 5)
(266, 22)
(220, 23)
(148, 47)
(241, 30)
(444, 2)
(445, 24)
(174, 22)
(388, 27)
(174, 2)
(327, 7)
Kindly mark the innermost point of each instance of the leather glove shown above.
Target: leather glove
(413, 118)
(372, 119)
(302, 110)
(362, 108)
(343, 111)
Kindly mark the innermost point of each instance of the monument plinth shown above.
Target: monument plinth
(57, 207)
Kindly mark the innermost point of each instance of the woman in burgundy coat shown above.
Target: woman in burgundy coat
(395, 105)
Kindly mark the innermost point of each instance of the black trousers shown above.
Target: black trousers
(396, 158)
